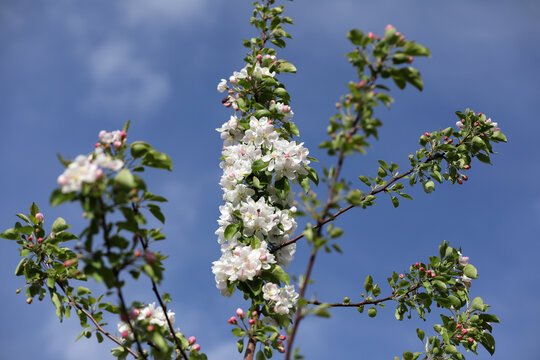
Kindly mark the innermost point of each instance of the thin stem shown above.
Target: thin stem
(123, 307)
(365, 302)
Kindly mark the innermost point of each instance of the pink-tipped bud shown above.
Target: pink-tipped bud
(401, 276)
(371, 35)
(464, 331)
(233, 80)
(40, 240)
(460, 337)
(96, 145)
(252, 321)
(123, 134)
(422, 268)
(463, 260)
(149, 257)
(196, 348)
(133, 314)
(459, 326)
(410, 60)
(282, 337)
(192, 340)
(232, 320)
(281, 349)
(70, 262)
(137, 253)
(227, 104)
(362, 83)
(428, 272)
(40, 217)
(117, 144)
(123, 317)
(286, 109)
(31, 246)
(388, 27)
(417, 265)
(263, 257)
(259, 57)
(240, 313)
(433, 275)
(29, 300)
(467, 167)
(30, 238)
(460, 181)
(254, 313)
(150, 328)
(471, 340)
(125, 334)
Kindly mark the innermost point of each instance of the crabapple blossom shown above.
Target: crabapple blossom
(283, 298)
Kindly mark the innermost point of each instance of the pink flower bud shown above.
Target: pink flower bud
(40, 240)
(254, 313)
(252, 321)
(263, 257)
(388, 27)
(460, 337)
(96, 145)
(227, 104)
(40, 217)
(286, 109)
(281, 349)
(149, 257)
(471, 340)
(123, 134)
(401, 276)
(233, 80)
(282, 337)
(232, 320)
(117, 144)
(30, 238)
(467, 167)
(240, 313)
(133, 314)
(62, 180)
(433, 274)
(192, 340)
(371, 35)
(137, 253)
(463, 260)
(150, 328)
(125, 334)
(29, 300)
(464, 331)
(417, 265)
(459, 326)
(410, 60)
(196, 347)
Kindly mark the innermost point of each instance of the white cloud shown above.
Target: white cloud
(158, 12)
(123, 80)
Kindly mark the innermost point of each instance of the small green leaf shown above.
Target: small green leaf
(81, 290)
(395, 201)
(287, 67)
(125, 179)
(156, 211)
(407, 355)
(470, 271)
(60, 225)
(478, 304)
(230, 230)
(139, 149)
(10, 234)
(368, 283)
(420, 333)
(58, 197)
(258, 165)
(240, 345)
(34, 209)
(158, 160)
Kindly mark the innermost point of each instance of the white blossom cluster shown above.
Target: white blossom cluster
(90, 168)
(154, 316)
(283, 298)
(265, 216)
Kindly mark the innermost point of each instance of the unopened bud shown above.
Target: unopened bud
(117, 144)
(401, 276)
(40, 217)
(463, 260)
(282, 337)
(371, 35)
(40, 240)
(232, 320)
(240, 313)
(125, 334)
(29, 300)
(388, 27)
(192, 340)
(150, 328)
(252, 321)
(149, 257)
(196, 347)
(467, 167)
(410, 60)
(137, 253)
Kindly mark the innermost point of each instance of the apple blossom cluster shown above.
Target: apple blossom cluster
(283, 298)
(90, 168)
(150, 314)
(256, 219)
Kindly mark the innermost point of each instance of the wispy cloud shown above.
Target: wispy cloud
(122, 79)
(161, 12)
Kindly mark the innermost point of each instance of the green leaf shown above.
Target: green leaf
(497, 135)
(414, 49)
(488, 342)
(139, 149)
(420, 333)
(156, 211)
(357, 37)
(230, 230)
(34, 209)
(321, 311)
(10, 234)
(19, 270)
(407, 355)
(81, 290)
(57, 304)
(355, 197)
(365, 180)
(258, 165)
(287, 67)
(483, 158)
(240, 345)
(478, 304)
(23, 217)
(470, 271)
(280, 274)
(125, 179)
(395, 201)
(368, 283)
(60, 225)
(260, 356)
(158, 160)
(58, 197)
(429, 186)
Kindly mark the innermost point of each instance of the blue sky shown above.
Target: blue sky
(70, 69)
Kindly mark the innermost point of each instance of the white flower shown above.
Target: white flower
(283, 298)
(493, 125)
(222, 86)
(111, 137)
(81, 170)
